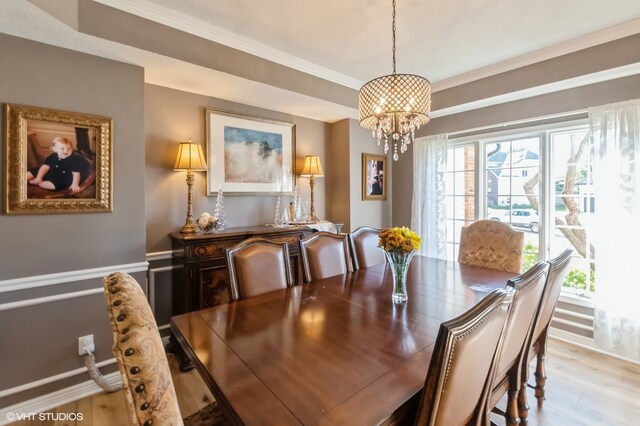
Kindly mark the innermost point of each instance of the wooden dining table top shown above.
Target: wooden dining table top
(333, 351)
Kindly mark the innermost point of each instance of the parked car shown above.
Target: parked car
(524, 218)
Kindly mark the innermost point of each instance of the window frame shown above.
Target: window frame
(546, 211)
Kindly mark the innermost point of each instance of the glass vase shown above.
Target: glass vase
(399, 262)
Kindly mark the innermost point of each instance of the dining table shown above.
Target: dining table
(333, 351)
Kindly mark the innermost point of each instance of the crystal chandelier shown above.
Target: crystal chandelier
(394, 106)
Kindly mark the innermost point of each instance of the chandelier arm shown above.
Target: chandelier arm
(393, 35)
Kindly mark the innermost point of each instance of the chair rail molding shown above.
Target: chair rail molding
(69, 276)
(159, 255)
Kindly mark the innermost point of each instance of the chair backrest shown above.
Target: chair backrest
(491, 244)
(149, 391)
(559, 266)
(526, 301)
(364, 247)
(325, 254)
(258, 266)
(461, 365)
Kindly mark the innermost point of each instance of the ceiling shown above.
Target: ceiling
(348, 42)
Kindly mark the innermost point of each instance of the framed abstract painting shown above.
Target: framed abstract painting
(249, 155)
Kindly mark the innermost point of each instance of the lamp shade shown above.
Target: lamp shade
(312, 166)
(190, 157)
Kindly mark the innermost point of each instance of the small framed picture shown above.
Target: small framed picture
(249, 155)
(56, 161)
(374, 184)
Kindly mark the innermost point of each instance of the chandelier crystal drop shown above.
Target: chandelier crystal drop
(394, 106)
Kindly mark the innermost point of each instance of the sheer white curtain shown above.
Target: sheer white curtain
(428, 210)
(615, 130)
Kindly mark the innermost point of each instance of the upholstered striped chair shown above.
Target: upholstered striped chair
(462, 363)
(558, 268)
(491, 244)
(325, 254)
(258, 266)
(364, 247)
(148, 387)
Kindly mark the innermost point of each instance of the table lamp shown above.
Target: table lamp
(190, 158)
(312, 169)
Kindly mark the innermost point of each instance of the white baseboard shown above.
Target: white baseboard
(55, 399)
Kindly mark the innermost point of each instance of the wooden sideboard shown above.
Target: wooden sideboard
(200, 277)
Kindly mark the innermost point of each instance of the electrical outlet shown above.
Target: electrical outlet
(86, 345)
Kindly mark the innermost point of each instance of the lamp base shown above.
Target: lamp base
(188, 228)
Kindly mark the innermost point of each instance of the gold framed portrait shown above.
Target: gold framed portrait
(56, 161)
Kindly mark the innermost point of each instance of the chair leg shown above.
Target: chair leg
(523, 404)
(511, 415)
(541, 372)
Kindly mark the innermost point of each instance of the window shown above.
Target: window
(460, 181)
(540, 182)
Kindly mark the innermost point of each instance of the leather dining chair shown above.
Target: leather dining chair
(364, 247)
(558, 268)
(258, 266)
(137, 346)
(528, 288)
(456, 387)
(491, 244)
(325, 254)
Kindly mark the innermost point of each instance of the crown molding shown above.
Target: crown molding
(170, 18)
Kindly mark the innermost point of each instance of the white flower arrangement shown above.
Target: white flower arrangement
(207, 223)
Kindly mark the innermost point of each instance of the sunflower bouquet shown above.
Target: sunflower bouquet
(399, 240)
(399, 245)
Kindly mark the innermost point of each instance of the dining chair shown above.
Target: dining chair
(257, 266)
(325, 254)
(528, 288)
(137, 346)
(491, 244)
(364, 247)
(463, 358)
(558, 268)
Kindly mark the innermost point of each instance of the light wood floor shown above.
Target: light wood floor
(584, 388)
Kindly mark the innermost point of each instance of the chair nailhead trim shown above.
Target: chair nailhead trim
(148, 422)
(128, 352)
(140, 388)
(134, 370)
(144, 406)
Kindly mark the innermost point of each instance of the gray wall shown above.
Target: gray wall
(172, 116)
(38, 335)
(348, 142)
